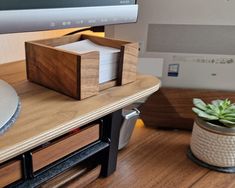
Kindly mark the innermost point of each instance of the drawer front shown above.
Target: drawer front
(10, 173)
(64, 147)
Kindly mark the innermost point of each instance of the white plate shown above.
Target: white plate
(9, 101)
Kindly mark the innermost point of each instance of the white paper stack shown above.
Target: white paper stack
(109, 57)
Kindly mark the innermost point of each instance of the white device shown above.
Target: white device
(9, 105)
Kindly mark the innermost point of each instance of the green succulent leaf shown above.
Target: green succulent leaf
(227, 123)
(229, 118)
(225, 105)
(229, 115)
(199, 104)
(228, 111)
(204, 115)
(213, 108)
(231, 108)
(211, 112)
(217, 102)
(222, 110)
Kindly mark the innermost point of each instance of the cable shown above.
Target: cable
(94, 29)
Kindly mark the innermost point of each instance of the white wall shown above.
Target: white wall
(204, 12)
(196, 12)
(12, 45)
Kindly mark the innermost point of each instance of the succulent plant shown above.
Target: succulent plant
(222, 111)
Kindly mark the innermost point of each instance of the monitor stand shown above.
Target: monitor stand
(9, 106)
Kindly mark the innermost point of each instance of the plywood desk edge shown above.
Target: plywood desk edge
(21, 147)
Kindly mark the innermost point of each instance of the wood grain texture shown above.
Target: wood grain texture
(73, 74)
(64, 147)
(216, 179)
(127, 69)
(10, 173)
(89, 75)
(53, 68)
(106, 41)
(172, 107)
(128, 59)
(154, 158)
(107, 85)
(157, 159)
(85, 179)
(128, 64)
(46, 114)
(15, 72)
(53, 42)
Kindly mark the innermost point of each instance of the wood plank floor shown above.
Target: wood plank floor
(157, 159)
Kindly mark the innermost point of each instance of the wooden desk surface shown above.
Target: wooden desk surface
(46, 114)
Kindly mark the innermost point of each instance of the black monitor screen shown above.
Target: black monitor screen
(42, 4)
(39, 15)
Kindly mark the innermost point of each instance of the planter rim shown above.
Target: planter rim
(215, 128)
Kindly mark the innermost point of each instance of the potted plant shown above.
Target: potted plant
(213, 137)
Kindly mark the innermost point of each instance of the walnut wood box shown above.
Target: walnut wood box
(73, 74)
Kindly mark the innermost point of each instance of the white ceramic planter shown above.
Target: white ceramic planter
(213, 144)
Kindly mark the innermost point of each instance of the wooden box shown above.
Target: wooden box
(64, 146)
(73, 74)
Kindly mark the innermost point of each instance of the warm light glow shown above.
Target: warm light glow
(99, 34)
(139, 123)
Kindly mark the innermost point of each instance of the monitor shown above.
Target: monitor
(39, 15)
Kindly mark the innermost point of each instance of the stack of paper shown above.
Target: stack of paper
(109, 57)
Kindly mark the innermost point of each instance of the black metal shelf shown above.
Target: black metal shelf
(64, 165)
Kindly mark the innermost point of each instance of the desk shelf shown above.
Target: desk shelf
(64, 165)
(47, 115)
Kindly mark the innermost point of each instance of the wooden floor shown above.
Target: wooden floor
(157, 159)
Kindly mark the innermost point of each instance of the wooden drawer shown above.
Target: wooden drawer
(64, 146)
(10, 172)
